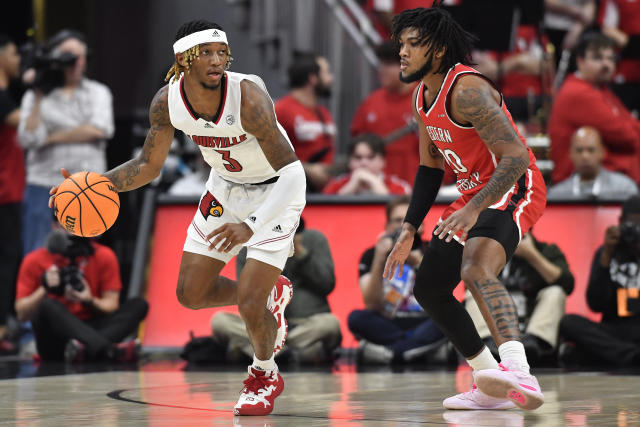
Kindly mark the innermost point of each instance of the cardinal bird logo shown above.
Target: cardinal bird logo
(209, 205)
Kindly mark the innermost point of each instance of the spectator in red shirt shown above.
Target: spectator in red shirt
(387, 112)
(11, 187)
(70, 291)
(309, 125)
(584, 100)
(620, 20)
(366, 171)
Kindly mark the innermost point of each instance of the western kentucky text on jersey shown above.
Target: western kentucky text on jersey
(218, 141)
(439, 134)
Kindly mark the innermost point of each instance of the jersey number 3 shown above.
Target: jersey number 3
(232, 164)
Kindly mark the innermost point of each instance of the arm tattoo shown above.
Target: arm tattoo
(124, 176)
(433, 150)
(479, 108)
(508, 171)
(501, 308)
(259, 119)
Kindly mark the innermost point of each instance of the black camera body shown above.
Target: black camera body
(70, 247)
(629, 233)
(49, 67)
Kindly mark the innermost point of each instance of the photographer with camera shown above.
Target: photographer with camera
(392, 327)
(613, 290)
(65, 119)
(70, 291)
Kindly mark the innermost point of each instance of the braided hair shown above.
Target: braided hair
(436, 27)
(192, 53)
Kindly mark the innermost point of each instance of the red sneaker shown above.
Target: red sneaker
(127, 351)
(279, 300)
(259, 392)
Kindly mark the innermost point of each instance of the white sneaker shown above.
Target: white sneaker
(509, 382)
(475, 399)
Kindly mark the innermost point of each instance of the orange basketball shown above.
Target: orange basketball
(86, 204)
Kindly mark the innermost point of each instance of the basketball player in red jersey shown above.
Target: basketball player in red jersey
(465, 123)
(253, 197)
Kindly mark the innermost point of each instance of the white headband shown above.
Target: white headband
(205, 36)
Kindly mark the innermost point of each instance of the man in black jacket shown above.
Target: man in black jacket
(539, 281)
(613, 290)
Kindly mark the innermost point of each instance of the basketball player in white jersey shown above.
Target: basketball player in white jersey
(254, 195)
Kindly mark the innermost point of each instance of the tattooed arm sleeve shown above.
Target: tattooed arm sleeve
(147, 165)
(474, 101)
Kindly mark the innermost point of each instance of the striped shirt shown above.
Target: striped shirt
(90, 103)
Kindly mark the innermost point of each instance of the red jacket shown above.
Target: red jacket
(579, 103)
(382, 113)
(394, 184)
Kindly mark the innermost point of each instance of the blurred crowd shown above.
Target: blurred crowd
(571, 80)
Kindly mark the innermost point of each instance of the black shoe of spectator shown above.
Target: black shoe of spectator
(567, 355)
(531, 348)
(74, 352)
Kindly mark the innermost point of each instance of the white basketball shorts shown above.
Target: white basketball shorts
(227, 202)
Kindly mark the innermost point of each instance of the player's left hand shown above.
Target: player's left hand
(462, 219)
(228, 236)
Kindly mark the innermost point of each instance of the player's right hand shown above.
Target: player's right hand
(65, 173)
(399, 254)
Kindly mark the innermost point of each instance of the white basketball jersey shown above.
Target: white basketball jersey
(233, 153)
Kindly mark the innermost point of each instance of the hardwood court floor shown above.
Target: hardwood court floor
(167, 395)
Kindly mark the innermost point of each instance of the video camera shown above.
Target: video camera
(70, 247)
(49, 66)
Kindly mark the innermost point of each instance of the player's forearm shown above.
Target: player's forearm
(133, 174)
(508, 171)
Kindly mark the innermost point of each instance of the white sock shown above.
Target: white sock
(514, 350)
(264, 365)
(484, 360)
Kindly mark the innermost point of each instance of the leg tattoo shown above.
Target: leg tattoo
(503, 314)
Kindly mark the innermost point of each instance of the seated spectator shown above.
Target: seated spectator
(523, 74)
(585, 100)
(314, 332)
(613, 290)
(620, 20)
(70, 291)
(538, 279)
(309, 124)
(11, 189)
(590, 179)
(565, 20)
(392, 327)
(387, 112)
(366, 171)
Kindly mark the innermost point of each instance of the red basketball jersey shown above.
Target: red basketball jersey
(471, 160)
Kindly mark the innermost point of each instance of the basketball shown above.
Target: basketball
(86, 204)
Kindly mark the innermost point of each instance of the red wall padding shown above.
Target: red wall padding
(577, 229)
